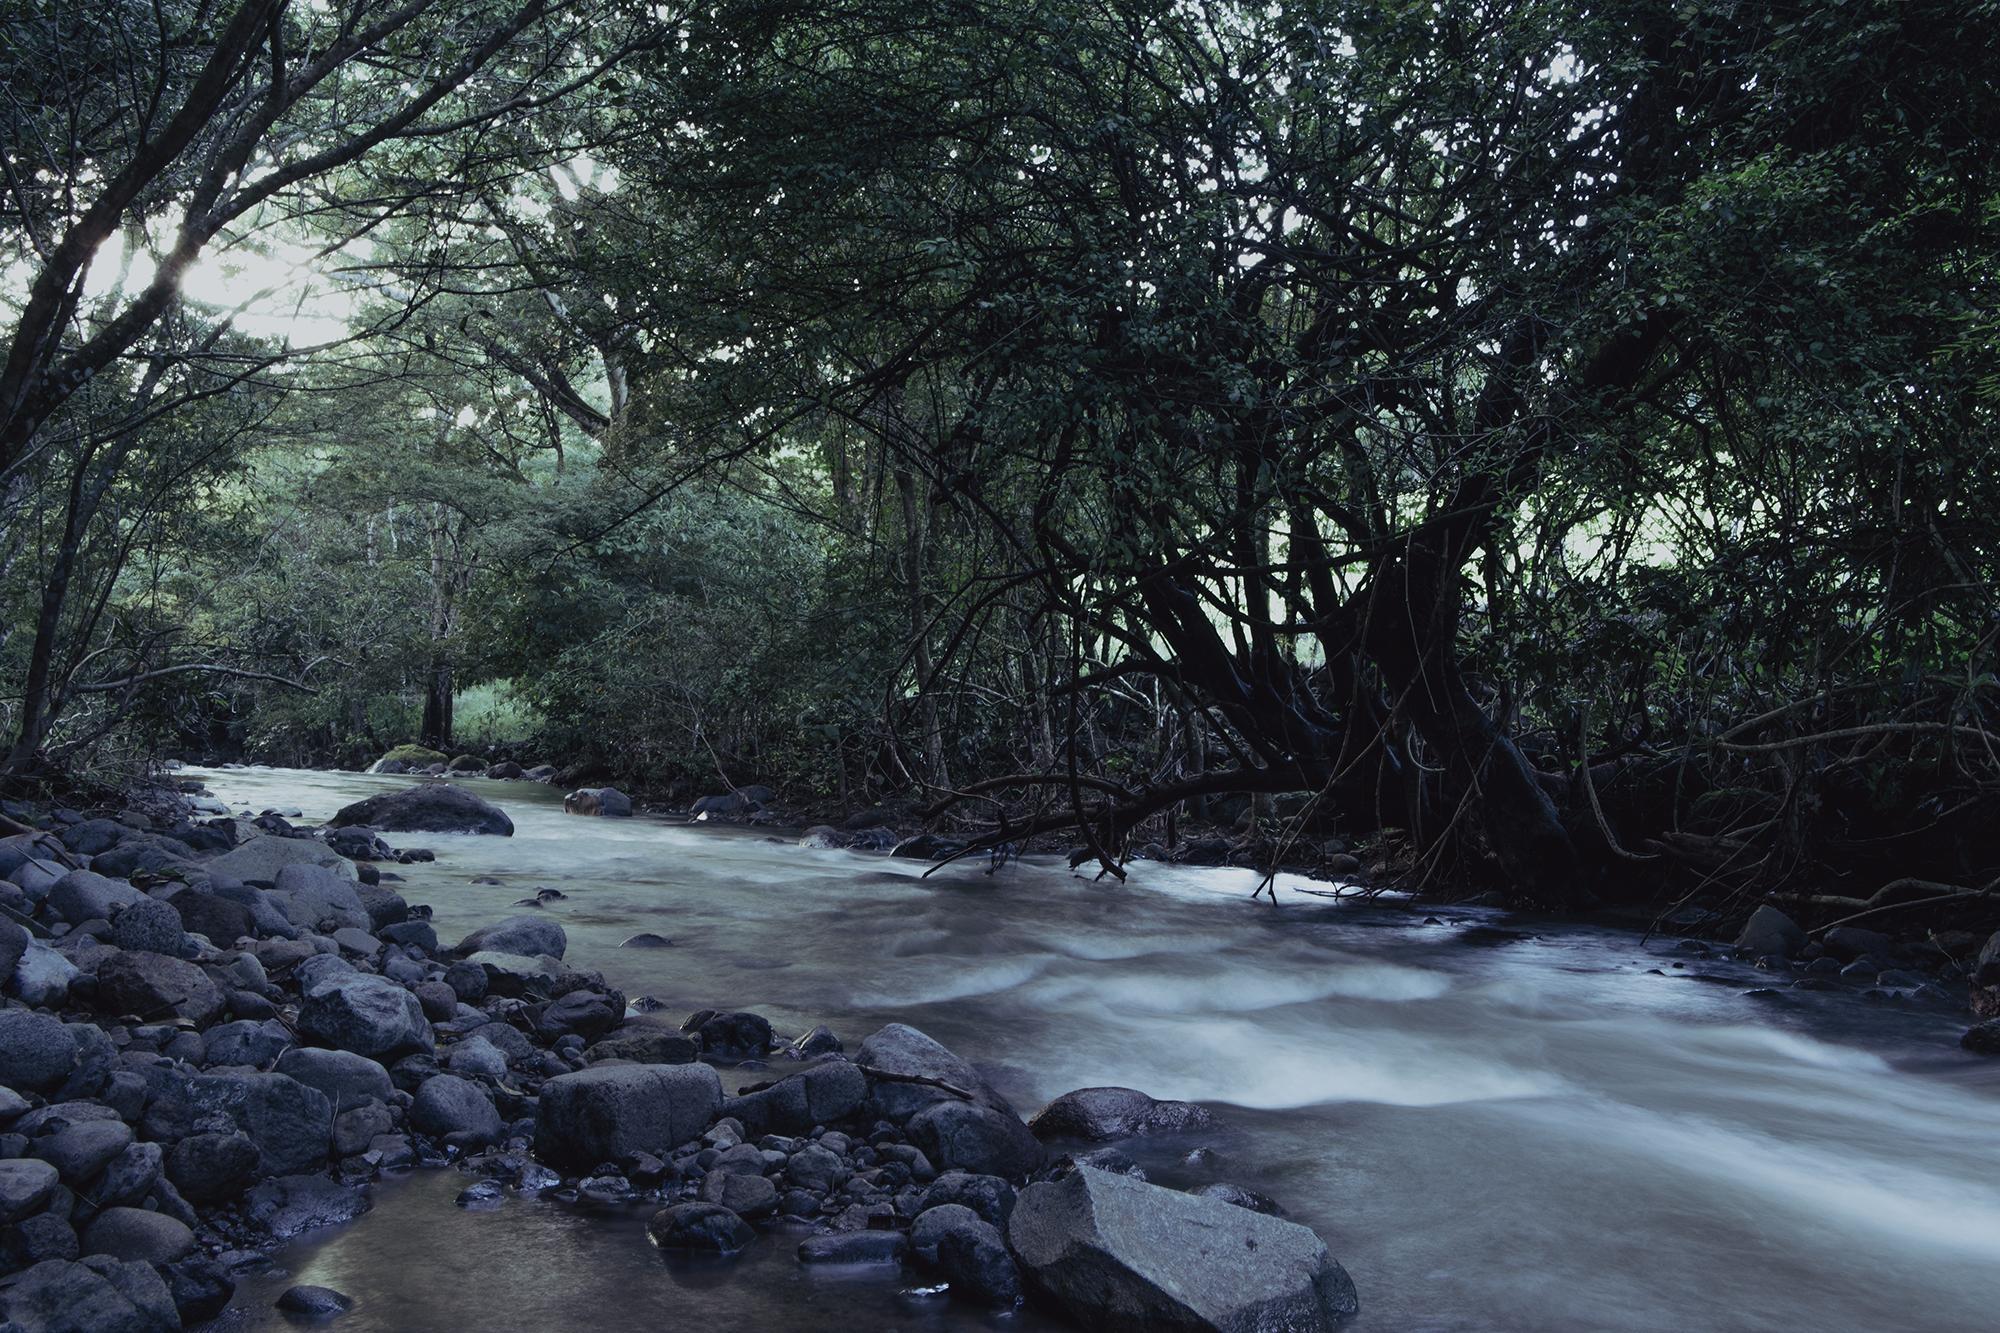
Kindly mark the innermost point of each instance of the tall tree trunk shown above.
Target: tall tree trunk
(438, 684)
(914, 494)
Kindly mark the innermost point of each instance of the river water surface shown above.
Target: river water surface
(1492, 1125)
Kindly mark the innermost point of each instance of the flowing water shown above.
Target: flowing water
(1492, 1125)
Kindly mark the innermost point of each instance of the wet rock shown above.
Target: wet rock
(1117, 1254)
(645, 940)
(262, 858)
(1982, 1038)
(608, 1112)
(587, 1013)
(819, 1041)
(152, 987)
(412, 934)
(901, 1049)
(515, 974)
(95, 1295)
(26, 1186)
(1098, 1115)
(450, 1105)
(699, 1226)
(1237, 1196)
(533, 936)
(607, 801)
(138, 1236)
(213, 1168)
(975, 1261)
(289, 1205)
(314, 1302)
(434, 807)
(504, 771)
(1770, 932)
(854, 1247)
(36, 1051)
(368, 1015)
(979, 1139)
(731, 1035)
(933, 1224)
(647, 1044)
(200, 1288)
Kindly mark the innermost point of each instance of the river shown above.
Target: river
(1493, 1125)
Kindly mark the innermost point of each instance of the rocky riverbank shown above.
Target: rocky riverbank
(218, 1031)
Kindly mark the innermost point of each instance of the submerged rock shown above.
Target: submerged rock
(435, 807)
(1116, 1254)
(699, 1226)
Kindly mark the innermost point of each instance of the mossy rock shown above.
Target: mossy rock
(416, 756)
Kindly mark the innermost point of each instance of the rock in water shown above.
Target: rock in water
(1769, 931)
(598, 801)
(966, 1137)
(1120, 1255)
(699, 1226)
(1101, 1114)
(533, 936)
(436, 807)
(901, 1049)
(608, 1112)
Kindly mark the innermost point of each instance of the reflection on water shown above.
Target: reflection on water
(1492, 1130)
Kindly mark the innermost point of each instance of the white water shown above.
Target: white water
(1491, 1130)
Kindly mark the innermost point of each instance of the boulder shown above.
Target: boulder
(212, 1168)
(448, 1104)
(1769, 931)
(744, 1195)
(1098, 1115)
(26, 1186)
(37, 1052)
(989, 1196)
(14, 942)
(901, 1049)
(969, 1137)
(43, 976)
(154, 987)
(85, 895)
(1117, 1254)
(366, 1014)
(699, 1226)
(598, 801)
(138, 1236)
(609, 1112)
(731, 1035)
(285, 1206)
(533, 936)
(1986, 967)
(314, 898)
(95, 1295)
(314, 1302)
(262, 857)
(151, 926)
(505, 771)
(434, 807)
(83, 1149)
(222, 921)
(244, 1042)
(290, 1123)
(975, 1261)
(645, 1043)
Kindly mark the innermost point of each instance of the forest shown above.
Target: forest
(1547, 444)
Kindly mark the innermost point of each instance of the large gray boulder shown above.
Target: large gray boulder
(366, 1014)
(434, 807)
(318, 899)
(347, 1079)
(448, 1104)
(1769, 931)
(95, 1295)
(901, 1049)
(1099, 1115)
(534, 936)
(139, 1236)
(967, 1137)
(598, 801)
(262, 857)
(609, 1112)
(85, 895)
(37, 1052)
(1124, 1256)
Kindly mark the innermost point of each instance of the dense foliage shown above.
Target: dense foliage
(1551, 438)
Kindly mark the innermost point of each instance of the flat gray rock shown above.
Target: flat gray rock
(262, 857)
(609, 1112)
(1121, 1255)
